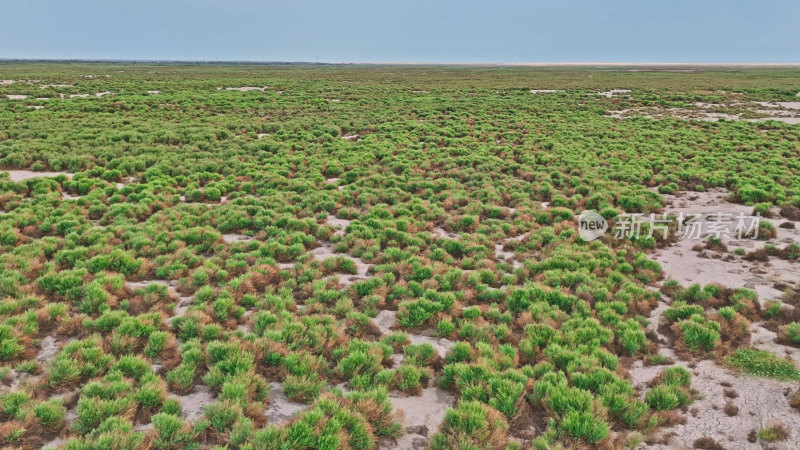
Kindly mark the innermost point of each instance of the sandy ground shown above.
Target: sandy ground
(422, 414)
(422, 417)
(280, 408)
(680, 262)
(246, 88)
(788, 112)
(444, 234)
(16, 96)
(20, 175)
(762, 402)
(614, 92)
(325, 251)
(68, 196)
(234, 238)
(192, 404)
(543, 91)
(338, 224)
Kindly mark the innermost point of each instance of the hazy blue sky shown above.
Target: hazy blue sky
(404, 30)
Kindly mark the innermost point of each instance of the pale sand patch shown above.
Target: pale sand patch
(68, 196)
(182, 306)
(544, 91)
(45, 86)
(502, 254)
(7, 82)
(352, 137)
(325, 251)
(36, 107)
(78, 95)
(779, 111)
(233, 238)
(100, 94)
(419, 92)
(687, 266)
(143, 284)
(386, 320)
(655, 319)
(49, 350)
(20, 175)
(247, 88)
(781, 105)
(441, 345)
(128, 181)
(153, 92)
(281, 409)
(193, 403)
(338, 224)
(423, 416)
(507, 256)
(261, 135)
(444, 234)
(614, 92)
(16, 96)
(333, 100)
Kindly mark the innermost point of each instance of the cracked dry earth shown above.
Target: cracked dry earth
(762, 402)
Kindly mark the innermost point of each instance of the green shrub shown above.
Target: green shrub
(50, 412)
(584, 425)
(470, 425)
(698, 333)
(665, 397)
(303, 388)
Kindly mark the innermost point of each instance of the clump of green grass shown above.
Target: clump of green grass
(671, 389)
(773, 433)
(471, 425)
(790, 334)
(764, 364)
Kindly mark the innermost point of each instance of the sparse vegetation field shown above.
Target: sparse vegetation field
(303, 257)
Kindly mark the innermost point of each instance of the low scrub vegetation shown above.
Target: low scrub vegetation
(341, 239)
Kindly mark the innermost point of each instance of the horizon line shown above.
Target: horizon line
(420, 63)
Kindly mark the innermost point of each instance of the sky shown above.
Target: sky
(409, 31)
